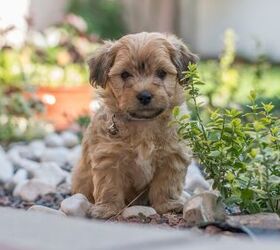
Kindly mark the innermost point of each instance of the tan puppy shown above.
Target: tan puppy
(129, 146)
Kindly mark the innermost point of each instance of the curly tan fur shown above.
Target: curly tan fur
(130, 147)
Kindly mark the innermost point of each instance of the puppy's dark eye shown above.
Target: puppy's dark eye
(125, 75)
(161, 74)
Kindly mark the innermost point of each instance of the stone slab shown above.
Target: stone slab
(21, 230)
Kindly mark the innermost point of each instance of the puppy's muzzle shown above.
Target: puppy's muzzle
(144, 97)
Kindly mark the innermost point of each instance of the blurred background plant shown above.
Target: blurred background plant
(18, 117)
(230, 79)
(52, 59)
(104, 17)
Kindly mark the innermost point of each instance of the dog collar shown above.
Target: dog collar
(113, 129)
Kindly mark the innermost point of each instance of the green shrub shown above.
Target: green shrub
(240, 150)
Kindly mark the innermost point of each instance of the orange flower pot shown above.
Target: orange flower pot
(65, 104)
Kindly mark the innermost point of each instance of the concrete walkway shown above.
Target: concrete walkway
(20, 230)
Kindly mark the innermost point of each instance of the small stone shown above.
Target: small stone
(30, 190)
(68, 179)
(15, 157)
(69, 139)
(76, 205)
(6, 168)
(194, 181)
(20, 176)
(138, 210)
(50, 173)
(64, 188)
(186, 195)
(53, 140)
(74, 156)
(58, 155)
(37, 148)
(203, 208)
(43, 209)
(260, 220)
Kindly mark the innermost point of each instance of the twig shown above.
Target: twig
(138, 196)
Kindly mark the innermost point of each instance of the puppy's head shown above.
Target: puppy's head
(141, 73)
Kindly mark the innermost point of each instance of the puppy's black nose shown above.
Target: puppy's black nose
(144, 97)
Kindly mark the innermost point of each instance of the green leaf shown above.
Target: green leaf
(274, 179)
(252, 95)
(184, 117)
(176, 111)
(215, 153)
(247, 194)
(230, 176)
(268, 107)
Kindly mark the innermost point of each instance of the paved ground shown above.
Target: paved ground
(20, 230)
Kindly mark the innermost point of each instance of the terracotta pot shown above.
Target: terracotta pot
(65, 104)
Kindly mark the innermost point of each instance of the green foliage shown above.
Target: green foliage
(53, 57)
(18, 117)
(103, 17)
(229, 77)
(240, 150)
(83, 121)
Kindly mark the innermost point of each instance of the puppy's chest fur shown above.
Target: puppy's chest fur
(143, 165)
(139, 149)
(148, 145)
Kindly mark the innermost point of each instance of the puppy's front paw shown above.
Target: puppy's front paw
(170, 205)
(103, 211)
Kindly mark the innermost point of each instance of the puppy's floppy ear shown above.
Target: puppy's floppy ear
(100, 64)
(181, 56)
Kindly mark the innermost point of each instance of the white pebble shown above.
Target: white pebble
(20, 176)
(50, 173)
(58, 155)
(15, 157)
(138, 210)
(69, 139)
(76, 205)
(6, 168)
(43, 209)
(53, 140)
(30, 190)
(194, 180)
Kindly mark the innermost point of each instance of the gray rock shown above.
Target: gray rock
(195, 182)
(138, 210)
(58, 155)
(69, 139)
(50, 173)
(6, 168)
(74, 156)
(43, 209)
(64, 188)
(68, 179)
(37, 148)
(20, 176)
(186, 195)
(15, 157)
(202, 208)
(53, 140)
(260, 220)
(76, 205)
(30, 190)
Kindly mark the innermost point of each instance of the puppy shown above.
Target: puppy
(129, 146)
